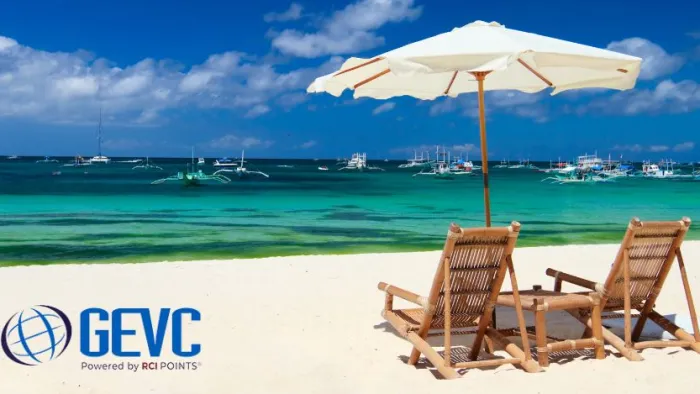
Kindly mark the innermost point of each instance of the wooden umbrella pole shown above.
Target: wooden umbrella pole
(480, 76)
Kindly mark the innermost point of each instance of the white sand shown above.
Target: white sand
(311, 324)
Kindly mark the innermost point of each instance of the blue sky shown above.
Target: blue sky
(222, 77)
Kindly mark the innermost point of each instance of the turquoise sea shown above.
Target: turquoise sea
(111, 213)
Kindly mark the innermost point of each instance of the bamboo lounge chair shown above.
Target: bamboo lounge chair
(635, 280)
(468, 280)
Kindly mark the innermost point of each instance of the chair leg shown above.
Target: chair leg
(597, 329)
(612, 339)
(421, 346)
(688, 296)
(415, 355)
(527, 363)
(674, 329)
(423, 334)
(488, 345)
(541, 334)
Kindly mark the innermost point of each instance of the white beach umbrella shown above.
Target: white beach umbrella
(477, 57)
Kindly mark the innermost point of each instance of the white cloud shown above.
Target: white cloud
(291, 14)
(656, 62)
(443, 106)
(465, 148)
(259, 109)
(693, 34)
(666, 97)
(521, 104)
(684, 146)
(386, 107)
(60, 87)
(681, 147)
(233, 141)
(628, 148)
(291, 100)
(350, 30)
(308, 144)
(130, 85)
(6, 43)
(658, 148)
(72, 87)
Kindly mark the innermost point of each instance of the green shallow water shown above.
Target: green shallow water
(111, 213)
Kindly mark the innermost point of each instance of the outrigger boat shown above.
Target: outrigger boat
(147, 166)
(225, 162)
(417, 162)
(615, 169)
(663, 170)
(47, 160)
(592, 162)
(530, 166)
(559, 168)
(78, 162)
(578, 176)
(517, 166)
(504, 164)
(192, 177)
(359, 163)
(442, 169)
(241, 171)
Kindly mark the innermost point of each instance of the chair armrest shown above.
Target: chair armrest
(401, 293)
(563, 276)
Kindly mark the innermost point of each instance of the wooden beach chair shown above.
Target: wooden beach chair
(469, 276)
(635, 280)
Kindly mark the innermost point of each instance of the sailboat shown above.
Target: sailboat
(99, 159)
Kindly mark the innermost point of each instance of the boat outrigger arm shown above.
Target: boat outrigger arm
(192, 178)
(147, 166)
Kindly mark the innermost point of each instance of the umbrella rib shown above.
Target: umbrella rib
(370, 79)
(376, 59)
(538, 75)
(452, 80)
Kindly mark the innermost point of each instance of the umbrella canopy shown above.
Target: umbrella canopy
(514, 59)
(477, 57)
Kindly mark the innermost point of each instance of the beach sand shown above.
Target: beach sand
(312, 324)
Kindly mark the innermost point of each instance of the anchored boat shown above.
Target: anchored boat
(99, 159)
(241, 171)
(358, 162)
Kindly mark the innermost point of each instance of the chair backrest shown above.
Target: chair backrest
(476, 258)
(650, 248)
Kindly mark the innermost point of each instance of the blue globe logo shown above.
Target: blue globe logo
(36, 335)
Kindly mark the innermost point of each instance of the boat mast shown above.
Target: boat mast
(99, 135)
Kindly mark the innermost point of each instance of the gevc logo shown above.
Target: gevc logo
(36, 335)
(42, 333)
(112, 331)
